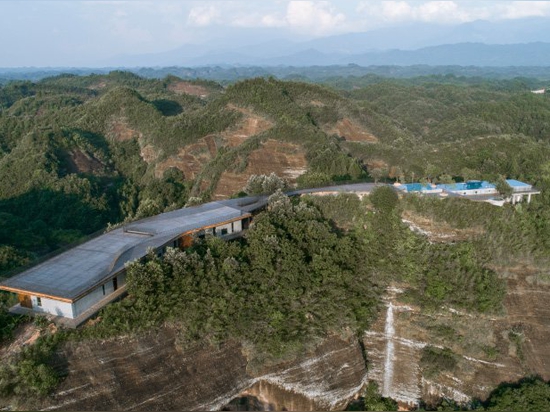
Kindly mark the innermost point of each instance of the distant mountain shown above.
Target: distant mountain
(417, 36)
(463, 54)
(511, 42)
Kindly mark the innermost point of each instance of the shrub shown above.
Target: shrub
(435, 360)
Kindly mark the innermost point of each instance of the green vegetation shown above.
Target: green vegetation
(79, 153)
(384, 199)
(8, 322)
(293, 279)
(529, 394)
(262, 184)
(31, 373)
(373, 401)
(435, 360)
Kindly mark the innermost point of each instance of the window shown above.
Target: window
(38, 301)
(224, 231)
(103, 287)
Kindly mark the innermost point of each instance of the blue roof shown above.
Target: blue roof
(469, 185)
(517, 183)
(416, 187)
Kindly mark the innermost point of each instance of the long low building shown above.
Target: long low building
(77, 283)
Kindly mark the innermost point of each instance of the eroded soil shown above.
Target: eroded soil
(438, 231)
(119, 129)
(188, 88)
(286, 160)
(490, 348)
(352, 131)
(81, 162)
(191, 159)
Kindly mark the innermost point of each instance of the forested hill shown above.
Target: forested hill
(77, 153)
(470, 279)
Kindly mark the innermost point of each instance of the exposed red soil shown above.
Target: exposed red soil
(148, 153)
(23, 335)
(251, 125)
(529, 313)
(100, 85)
(153, 372)
(190, 159)
(352, 131)
(120, 130)
(526, 314)
(188, 88)
(286, 160)
(80, 162)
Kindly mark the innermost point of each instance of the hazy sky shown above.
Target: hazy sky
(87, 32)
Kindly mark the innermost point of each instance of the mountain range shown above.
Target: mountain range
(523, 42)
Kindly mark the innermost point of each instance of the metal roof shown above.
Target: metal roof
(470, 185)
(517, 183)
(72, 273)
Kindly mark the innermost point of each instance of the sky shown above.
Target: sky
(81, 33)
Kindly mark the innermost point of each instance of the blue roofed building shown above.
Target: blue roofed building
(469, 188)
(521, 190)
(428, 188)
(475, 190)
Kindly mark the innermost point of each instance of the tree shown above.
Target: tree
(313, 179)
(262, 184)
(529, 394)
(397, 173)
(373, 401)
(503, 187)
(469, 174)
(384, 199)
(446, 179)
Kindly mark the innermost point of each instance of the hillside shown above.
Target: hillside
(115, 147)
(313, 279)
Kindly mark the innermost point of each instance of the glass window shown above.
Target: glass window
(38, 301)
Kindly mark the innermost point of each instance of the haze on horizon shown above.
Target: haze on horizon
(90, 33)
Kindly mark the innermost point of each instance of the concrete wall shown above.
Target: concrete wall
(230, 227)
(96, 295)
(486, 191)
(55, 307)
(238, 226)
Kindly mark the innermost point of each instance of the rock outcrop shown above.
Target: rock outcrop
(152, 372)
(489, 349)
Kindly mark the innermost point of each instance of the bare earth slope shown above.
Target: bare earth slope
(487, 352)
(153, 373)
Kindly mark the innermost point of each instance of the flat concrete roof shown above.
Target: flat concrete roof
(71, 274)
